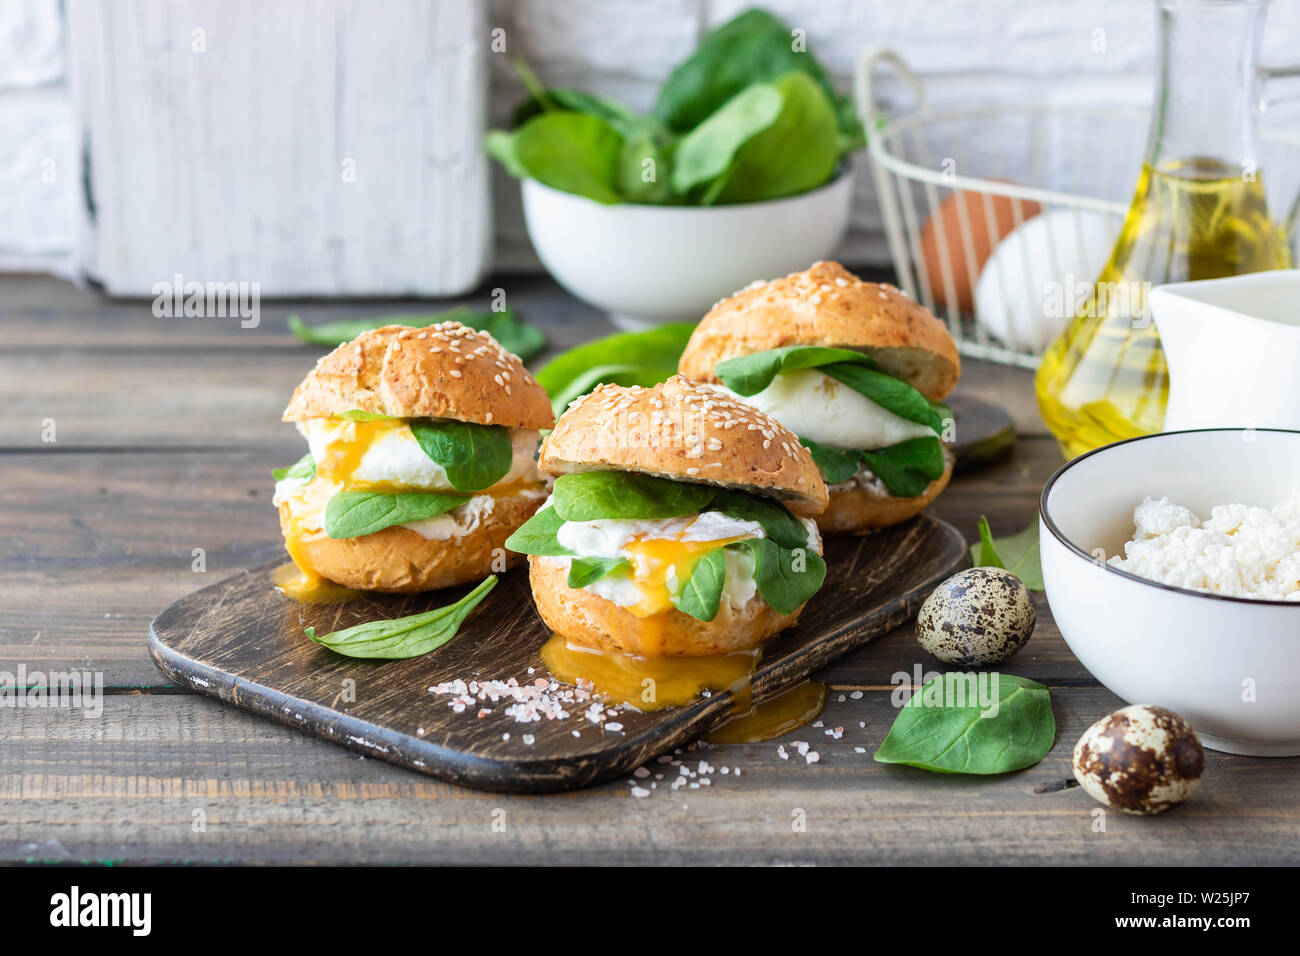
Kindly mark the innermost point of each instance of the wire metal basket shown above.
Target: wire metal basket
(999, 218)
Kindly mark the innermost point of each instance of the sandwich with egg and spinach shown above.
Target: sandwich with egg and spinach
(676, 524)
(856, 370)
(421, 463)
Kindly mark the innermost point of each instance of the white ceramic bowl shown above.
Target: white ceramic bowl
(647, 265)
(1230, 666)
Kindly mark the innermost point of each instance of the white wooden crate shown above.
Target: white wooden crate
(318, 147)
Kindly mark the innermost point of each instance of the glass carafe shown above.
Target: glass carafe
(1199, 212)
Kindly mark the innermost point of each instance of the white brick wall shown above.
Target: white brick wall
(969, 53)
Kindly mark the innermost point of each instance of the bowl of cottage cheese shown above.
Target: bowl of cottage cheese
(1172, 567)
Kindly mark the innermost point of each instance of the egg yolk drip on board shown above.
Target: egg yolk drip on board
(379, 456)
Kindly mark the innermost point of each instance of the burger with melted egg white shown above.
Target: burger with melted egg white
(856, 370)
(421, 463)
(675, 526)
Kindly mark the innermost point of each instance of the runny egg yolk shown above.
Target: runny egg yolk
(343, 455)
(300, 580)
(657, 561)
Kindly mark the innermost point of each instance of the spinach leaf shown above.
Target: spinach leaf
(505, 326)
(1017, 553)
(835, 464)
(304, 467)
(932, 733)
(701, 594)
(891, 394)
(583, 571)
(786, 578)
(473, 456)
(626, 358)
(906, 469)
(766, 167)
(352, 514)
(357, 415)
(500, 145)
(775, 518)
(537, 535)
(750, 374)
(751, 48)
(593, 495)
(625, 121)
(707, 151)
(574, 152)
(405, 637)
(644, 173)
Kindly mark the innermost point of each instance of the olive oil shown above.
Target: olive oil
(1104, 378)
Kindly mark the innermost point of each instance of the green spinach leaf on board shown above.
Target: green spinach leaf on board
(473, 456)
(594, 495)
(1017, 553)
(537, 535)
(511, 333)
(750, 374)
(701, 593)
(751, 48)
(573, 152)
(835, 464)
(353, 514)
(708, 151)
(584, 571)
(766, 167)
(304, 467)
(626, 358)
(786, 578)
(906, 469)
(405, 637)
(933, 733)
(775, 518)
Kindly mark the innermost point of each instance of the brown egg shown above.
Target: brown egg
(982, 238)
(1140, 759)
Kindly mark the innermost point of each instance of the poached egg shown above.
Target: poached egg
(822, 409)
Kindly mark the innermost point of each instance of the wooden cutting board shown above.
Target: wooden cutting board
(242, 642)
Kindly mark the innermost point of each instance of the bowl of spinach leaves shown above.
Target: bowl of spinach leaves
(739, 172)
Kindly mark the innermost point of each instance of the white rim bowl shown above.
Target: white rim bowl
(1230, 665)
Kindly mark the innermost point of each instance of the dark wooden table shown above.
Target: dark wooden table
(165, 433)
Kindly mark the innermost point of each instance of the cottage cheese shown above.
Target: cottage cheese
(1240, 551)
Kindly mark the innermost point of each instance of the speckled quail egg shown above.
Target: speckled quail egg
(978, 616)
(1140, 759)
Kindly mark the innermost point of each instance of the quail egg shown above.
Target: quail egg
(978, 616)
(1140, 759)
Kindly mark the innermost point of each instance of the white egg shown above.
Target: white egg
(395, 456)
(817, 407)
(1037, 267)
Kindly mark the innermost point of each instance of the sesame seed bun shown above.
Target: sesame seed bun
(859, 507)
(442, 371)
(400, 560)
(828, 305)
(685, 432)
(589, 620)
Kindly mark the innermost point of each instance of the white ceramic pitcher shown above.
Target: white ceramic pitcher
(1233, 349)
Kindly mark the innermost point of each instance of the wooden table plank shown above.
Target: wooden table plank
(128, 786)
(111, 375)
